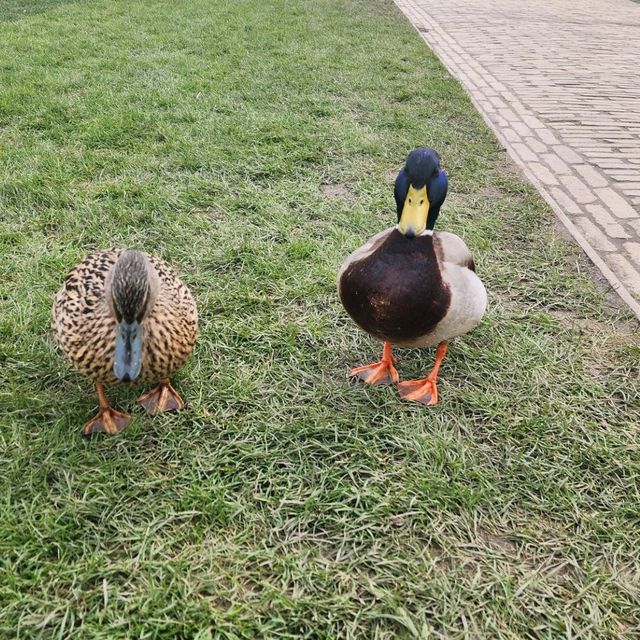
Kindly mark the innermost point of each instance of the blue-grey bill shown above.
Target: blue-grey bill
(128, 357)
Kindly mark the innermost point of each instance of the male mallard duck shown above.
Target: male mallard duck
(125, 316)
(409, 286)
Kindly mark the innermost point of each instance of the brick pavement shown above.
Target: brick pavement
(559, 83)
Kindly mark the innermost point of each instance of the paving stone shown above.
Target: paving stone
(547, 136)
(578, 189)
(622, 175)
(524, 152)
(542, 173)
(569, 205)
(567, 154)
(627, 273)
(611, 226)
(508, 115)
(497, 102)
(556, 165)
(535, 145)
(521, 128)
(634, 251)
(616, 203)
(593, 177)
(596, 236)
(518, 107)
(511, 135)
(533, 122)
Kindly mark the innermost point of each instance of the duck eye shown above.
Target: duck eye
(410, 201)
(421, 202)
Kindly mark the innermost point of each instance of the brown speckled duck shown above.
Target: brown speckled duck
(125, 316)
(410, 286)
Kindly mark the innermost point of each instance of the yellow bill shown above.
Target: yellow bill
(413, 220)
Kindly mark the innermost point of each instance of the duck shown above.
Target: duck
(122, 317)
(410, 286)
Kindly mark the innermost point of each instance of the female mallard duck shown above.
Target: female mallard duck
(125, 316)
(409, 286)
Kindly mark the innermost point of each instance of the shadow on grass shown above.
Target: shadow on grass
(11, 10)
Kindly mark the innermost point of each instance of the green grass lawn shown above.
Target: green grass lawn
(253, 145)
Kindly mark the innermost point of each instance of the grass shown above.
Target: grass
(253, 145)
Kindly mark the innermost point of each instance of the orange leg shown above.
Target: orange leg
(108, 419)
(382, 372)
(425, 390)
(163, 398)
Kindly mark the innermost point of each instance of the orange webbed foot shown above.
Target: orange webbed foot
(162, 398)
(383, 372)
(424, 391)
(108, 420)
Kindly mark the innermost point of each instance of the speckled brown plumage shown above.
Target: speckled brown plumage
(84, 326)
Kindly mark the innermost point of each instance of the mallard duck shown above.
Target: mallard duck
(410, 286)
(122, 317)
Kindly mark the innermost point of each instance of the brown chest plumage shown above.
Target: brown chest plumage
(396, 293)
(84, 327)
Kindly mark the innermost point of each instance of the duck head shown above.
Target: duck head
(420, 190)
(131, 288)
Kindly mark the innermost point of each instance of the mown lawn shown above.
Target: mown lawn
(253, 145)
